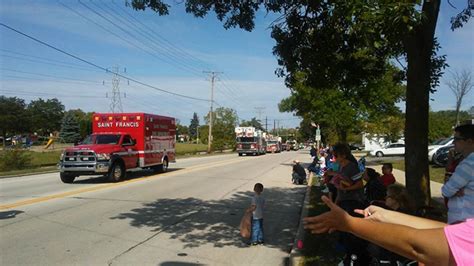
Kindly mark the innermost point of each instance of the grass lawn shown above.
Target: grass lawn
(185, 148)
(436, 172)
(319, 249)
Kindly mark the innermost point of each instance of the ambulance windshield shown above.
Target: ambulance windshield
(102, 139)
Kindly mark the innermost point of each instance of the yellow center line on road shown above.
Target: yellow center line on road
(104, 186)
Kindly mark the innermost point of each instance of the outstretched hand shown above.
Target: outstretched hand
(335, 219)
(374, 213)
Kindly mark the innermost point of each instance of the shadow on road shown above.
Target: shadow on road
(9, 214)
(179, 263)
(196, 222)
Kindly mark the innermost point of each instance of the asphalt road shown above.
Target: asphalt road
(188, 216)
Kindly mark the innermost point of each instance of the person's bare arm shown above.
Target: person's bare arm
(357, 185)
(252, 208)
(425, 245)
(383, 215)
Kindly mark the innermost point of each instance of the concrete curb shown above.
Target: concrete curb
(30, 173)
(295, 257)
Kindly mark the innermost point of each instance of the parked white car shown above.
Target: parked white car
(432, 149)
(392, 149)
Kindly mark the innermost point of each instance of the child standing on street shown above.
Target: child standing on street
(256, 207)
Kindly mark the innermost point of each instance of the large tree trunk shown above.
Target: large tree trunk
(342, 135)
(419, 46)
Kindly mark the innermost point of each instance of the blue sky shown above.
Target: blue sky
(168, 52)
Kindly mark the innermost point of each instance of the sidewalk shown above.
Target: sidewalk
(435, 187)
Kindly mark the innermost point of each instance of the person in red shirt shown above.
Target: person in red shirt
(387, 178)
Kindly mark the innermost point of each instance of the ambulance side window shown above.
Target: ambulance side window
(127, 141)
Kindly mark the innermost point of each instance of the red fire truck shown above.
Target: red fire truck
(121, 142)
(250, 141)
(273, 144)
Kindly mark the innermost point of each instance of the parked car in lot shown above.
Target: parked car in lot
(356, 147)
(432, 149)
(392, 149)
(441, 155)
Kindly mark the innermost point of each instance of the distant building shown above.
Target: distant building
(373, 142)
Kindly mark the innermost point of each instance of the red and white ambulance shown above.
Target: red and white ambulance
(121, 142)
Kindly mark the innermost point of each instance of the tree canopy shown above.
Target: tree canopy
(224, 121)
(13, 116)
(70, 129)
(254, 122)
(46, 115)
(194, 126)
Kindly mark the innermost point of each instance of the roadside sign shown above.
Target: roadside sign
(318, 137)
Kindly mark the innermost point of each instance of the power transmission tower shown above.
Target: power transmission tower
(116, 101)
(213, 75)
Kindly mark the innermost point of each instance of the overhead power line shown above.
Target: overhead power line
(49, 76)
(44, 58)
(97, 66)
(51, 64)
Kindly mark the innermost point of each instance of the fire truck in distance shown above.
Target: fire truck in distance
(119, 143)
(250, 141)
(273, 144)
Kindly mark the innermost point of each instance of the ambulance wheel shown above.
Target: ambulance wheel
(163, 168)
(117, 172)
(67, 178)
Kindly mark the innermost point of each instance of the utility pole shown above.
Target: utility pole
(116, 101)
(266, 124)
(259, 111)
(213, 75)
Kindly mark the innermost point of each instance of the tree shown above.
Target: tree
(223, 128)
(194, 126)
(13, 117)
(441, 123)
(461, 84)
(346, 112)
(254, 122)
(343, 44)
(182, 130)
(390, 128)
(46, 116)
(84, 120)
(70, 131)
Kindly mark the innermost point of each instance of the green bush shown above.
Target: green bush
(14, 159)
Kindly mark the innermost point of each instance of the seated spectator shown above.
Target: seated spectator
(317, 166)
(373, 189)
(313, 153)
(399, 200)
(299, 174)
(387, 177)
(350, 195)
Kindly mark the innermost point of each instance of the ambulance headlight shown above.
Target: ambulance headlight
(103, 156)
